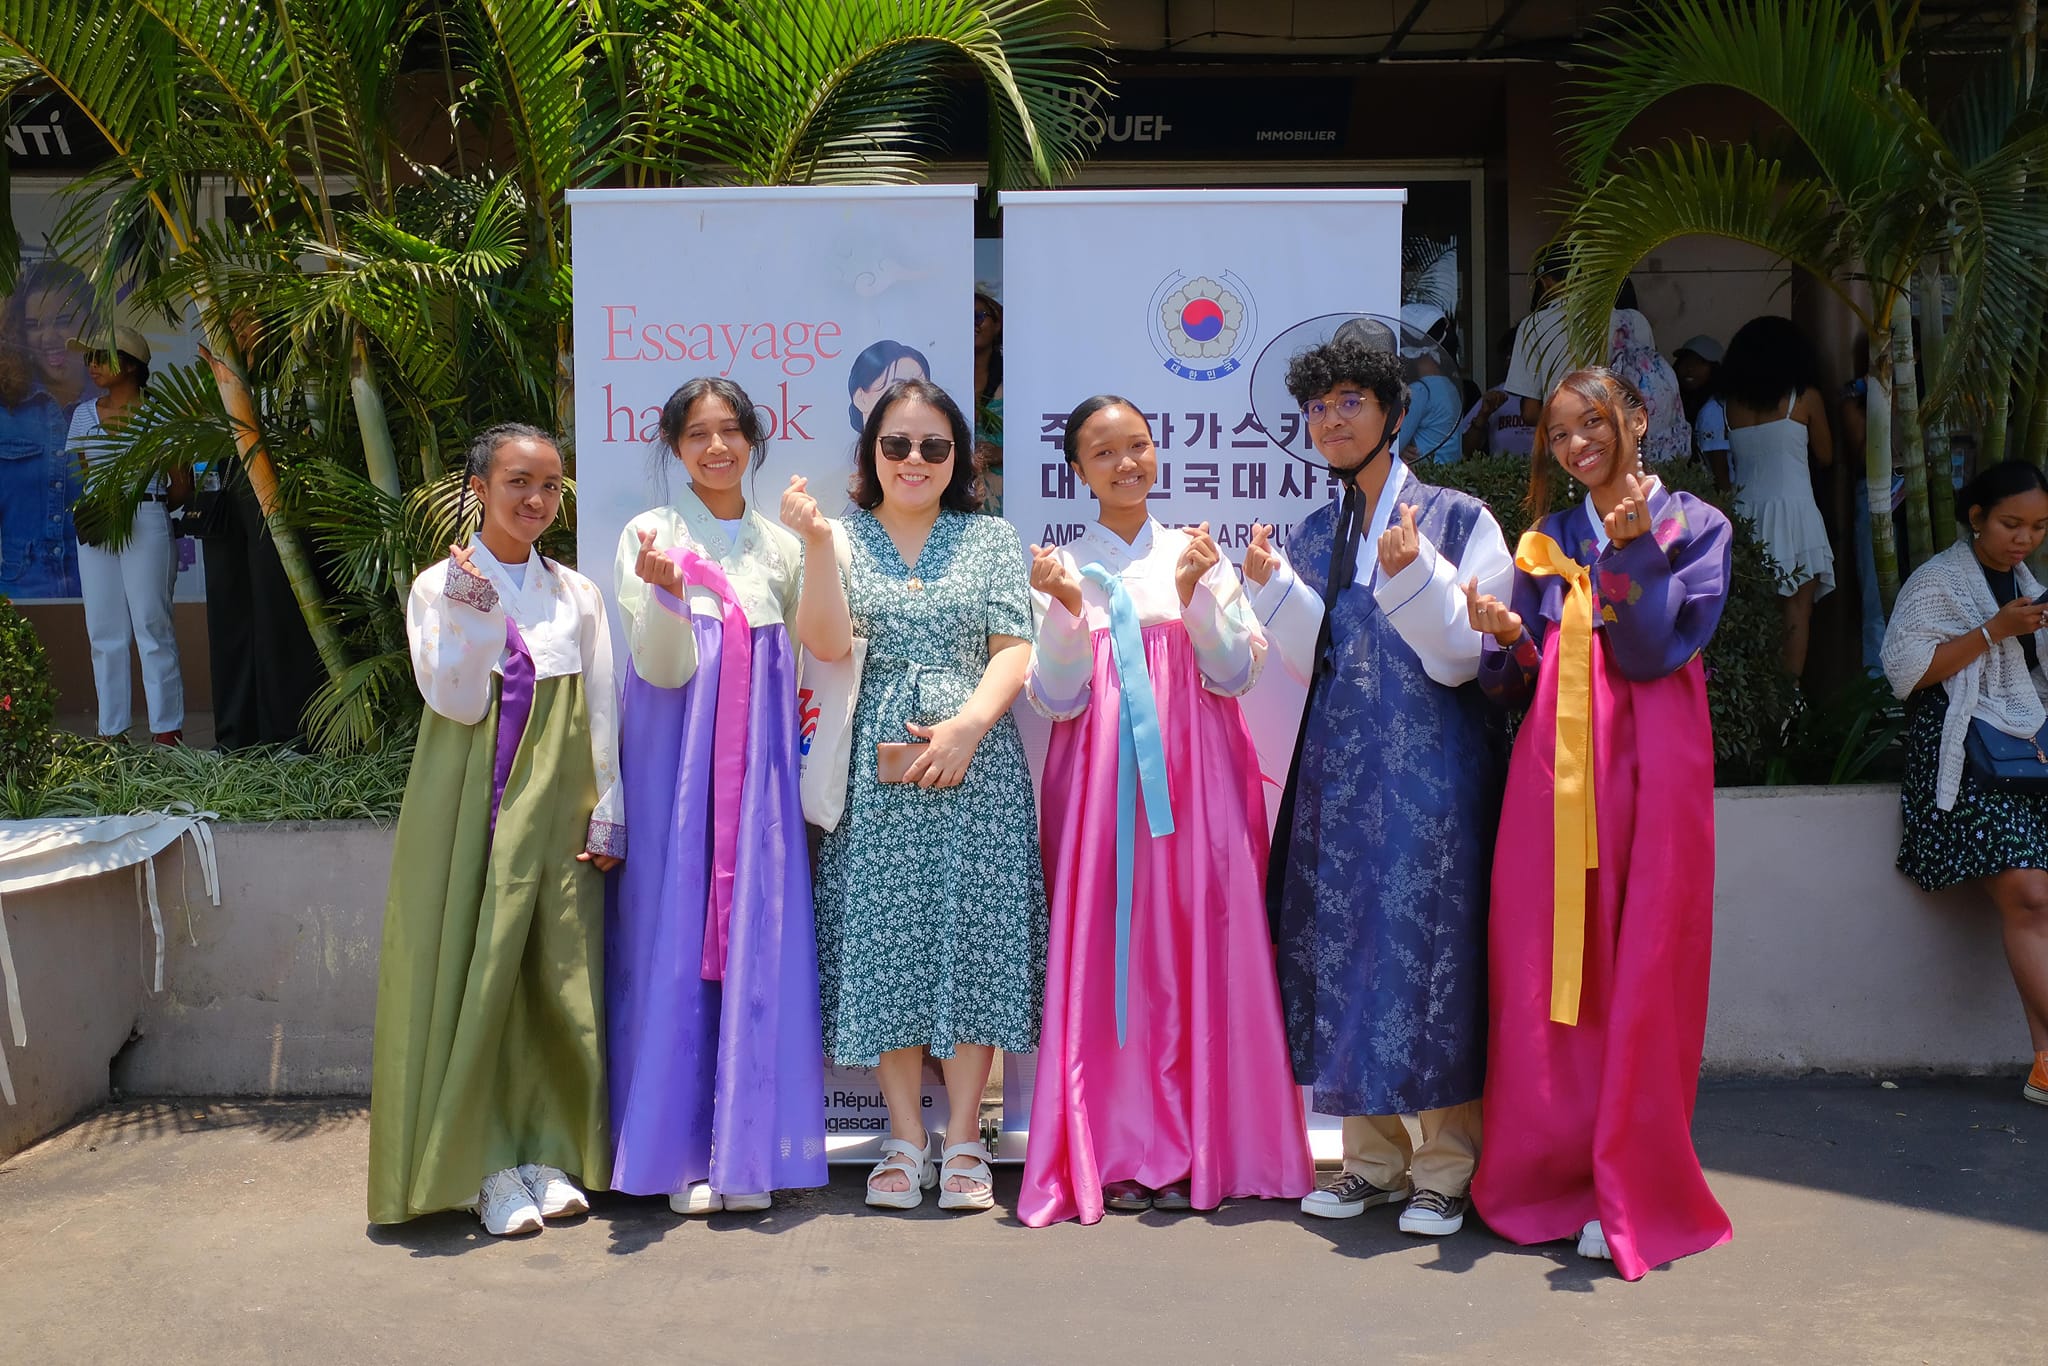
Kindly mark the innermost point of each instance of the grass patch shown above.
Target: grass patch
(259, 785)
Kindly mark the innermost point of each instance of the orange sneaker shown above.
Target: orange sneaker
(2036, 1088)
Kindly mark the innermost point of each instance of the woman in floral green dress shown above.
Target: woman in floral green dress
(930, 897)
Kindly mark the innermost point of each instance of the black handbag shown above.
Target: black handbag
(2006, 763)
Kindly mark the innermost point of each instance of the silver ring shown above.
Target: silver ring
(1631, 517)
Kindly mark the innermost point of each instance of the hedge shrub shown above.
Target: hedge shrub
(27, 701)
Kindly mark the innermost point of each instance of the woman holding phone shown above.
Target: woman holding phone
(930, 899)
(1964, 650)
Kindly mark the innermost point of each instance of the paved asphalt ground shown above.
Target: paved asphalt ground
(1871, 1226)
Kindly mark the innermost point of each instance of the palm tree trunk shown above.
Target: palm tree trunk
(380, 452)
(1905, 406)
(1877, 461)
(1997, 419)
(291, 552)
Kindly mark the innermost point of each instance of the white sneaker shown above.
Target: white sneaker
(1593, 1243)
(552, 1190)
(1434, 1214)
(747, 1204)
(697, 1198)
(1348, 1196)
(506, 1205)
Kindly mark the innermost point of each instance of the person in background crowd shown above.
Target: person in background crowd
(1698, 365)
(127, 590)
(1777, 417)
(1434, 402)
(262, 659)
(1603, 880)
(487, 1086)
(711, 965)
(1855, 432)
(874, 370)
(1162, 1075)
(1377, 889)
(988, 397)
(1542, 356)
(1964, 650)
(931, 896)
(1494, 425)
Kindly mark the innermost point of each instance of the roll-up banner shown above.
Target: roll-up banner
(1181, 300)
(813, 300)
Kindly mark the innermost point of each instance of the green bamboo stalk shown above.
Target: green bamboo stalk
(1941, 486)
(1905, 405)
(1877, 460)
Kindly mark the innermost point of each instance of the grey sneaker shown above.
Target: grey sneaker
(1348, 1196)
(506, 1206)
(1434, 1214)
(552, 1190)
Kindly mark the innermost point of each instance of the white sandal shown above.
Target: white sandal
(979, 1173)
(917, 1164)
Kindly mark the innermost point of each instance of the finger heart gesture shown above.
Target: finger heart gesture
(1260, 559)
(655, 567)
(1490, 616)
(1400, 543)
(1631, 516)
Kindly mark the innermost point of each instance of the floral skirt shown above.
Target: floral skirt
(1987, 832)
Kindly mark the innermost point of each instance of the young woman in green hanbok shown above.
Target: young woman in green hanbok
(488, 1086)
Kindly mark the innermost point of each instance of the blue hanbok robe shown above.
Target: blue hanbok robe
(1382, 896)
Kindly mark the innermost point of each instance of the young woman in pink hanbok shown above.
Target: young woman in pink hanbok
(1163, 1079)
(1603, 881)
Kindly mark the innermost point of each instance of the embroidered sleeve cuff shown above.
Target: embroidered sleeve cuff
(606, 837)
(469, 590)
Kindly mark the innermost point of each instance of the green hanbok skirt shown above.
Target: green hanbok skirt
(489, 1049)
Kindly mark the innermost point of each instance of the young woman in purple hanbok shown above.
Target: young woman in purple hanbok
(1163, 1077)
(711, 966)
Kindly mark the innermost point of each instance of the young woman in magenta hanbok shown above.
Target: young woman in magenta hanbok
(488, 1072)
(1163, 1079)
(712, 970)
(1603, 883)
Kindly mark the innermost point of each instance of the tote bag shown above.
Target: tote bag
(826, 693)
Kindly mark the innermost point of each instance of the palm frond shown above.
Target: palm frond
(1683, 189)
(1808, 61)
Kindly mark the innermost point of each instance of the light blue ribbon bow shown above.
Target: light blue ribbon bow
(1139, 754)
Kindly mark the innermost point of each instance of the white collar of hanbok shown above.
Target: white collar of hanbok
(1099, 545)
(550, 619)
(1600, 527)
(710, 534)
(1382, 516)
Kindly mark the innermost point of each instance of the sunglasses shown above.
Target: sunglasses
(936, 450)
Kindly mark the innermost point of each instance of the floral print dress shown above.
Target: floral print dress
(931, 903)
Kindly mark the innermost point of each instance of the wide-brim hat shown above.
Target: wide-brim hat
(125, 340)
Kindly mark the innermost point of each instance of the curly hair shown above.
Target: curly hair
(960, 493)
(1349, 358)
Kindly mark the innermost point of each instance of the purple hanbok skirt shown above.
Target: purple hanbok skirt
(713, 1080)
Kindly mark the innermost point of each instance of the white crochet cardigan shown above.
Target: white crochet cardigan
(1945, 598)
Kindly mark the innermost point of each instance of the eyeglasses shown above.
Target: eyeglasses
(1318, 412)
(936, 450)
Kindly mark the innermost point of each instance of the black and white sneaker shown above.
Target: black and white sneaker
(1434, 1214)
(1348, 1196)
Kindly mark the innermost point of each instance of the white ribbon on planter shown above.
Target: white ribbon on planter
(43, 853)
